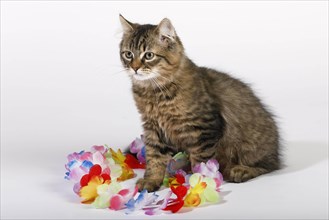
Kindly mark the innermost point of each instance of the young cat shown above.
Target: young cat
(201, 111)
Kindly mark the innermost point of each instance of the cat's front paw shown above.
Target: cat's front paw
(150, 185)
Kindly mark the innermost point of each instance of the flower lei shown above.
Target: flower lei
(98, 175)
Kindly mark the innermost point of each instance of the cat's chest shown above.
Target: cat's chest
(160, 111)
(166, 115)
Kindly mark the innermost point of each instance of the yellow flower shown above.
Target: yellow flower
(197, 188)
(89, 192)
(192, 199)
(118, 156)
(127, 173)
(119, 159)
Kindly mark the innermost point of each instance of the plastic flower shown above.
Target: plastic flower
(143, 199)
(178, 180)
(133, 163)
(203, 189)
(98, 173)
(105, 192)
(197, 188)
(209, 169)
(160, 205)
(116, 169)
(178, 162)
(118, 156)
(210, 194)
(119, 200)
(100, 148)
(119, 159)
(176, 204)
(138, 147)
(80, 163)
(91, 181)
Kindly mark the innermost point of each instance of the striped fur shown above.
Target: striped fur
(188, 108)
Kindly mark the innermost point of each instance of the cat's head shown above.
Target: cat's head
(150, 52)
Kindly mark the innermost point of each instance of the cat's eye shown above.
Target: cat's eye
(149, 55)
(129, 55)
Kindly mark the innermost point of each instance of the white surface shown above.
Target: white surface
(62, 90)
(37, 190)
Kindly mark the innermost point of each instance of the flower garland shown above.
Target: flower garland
(98, 175)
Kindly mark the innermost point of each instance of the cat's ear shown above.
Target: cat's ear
(127, 26)
(166, 31)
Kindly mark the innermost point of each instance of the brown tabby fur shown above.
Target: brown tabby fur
(201, 111)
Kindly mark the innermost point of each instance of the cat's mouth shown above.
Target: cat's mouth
(141, 76)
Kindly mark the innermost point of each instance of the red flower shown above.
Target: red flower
(177, 204)
(133, 163)
(95, 170)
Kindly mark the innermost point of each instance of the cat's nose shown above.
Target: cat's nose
(135, 68)
(135, 65)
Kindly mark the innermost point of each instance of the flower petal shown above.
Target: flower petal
(76, 188)
(180, 178)
(100, 148)
(133, 163)
(105, 177)
(142, 155)
(179, 191)
(95, 170)
(98, 158)
(102, 202)
(89, 192)
(199, 188)
(195, 179)
(118, 157)
(84, 180)
(114, 187)
(211, 195)
(175, 207)
(210, 182)
(192, 199)
(116, 202)
(86, 164)
(136, 145)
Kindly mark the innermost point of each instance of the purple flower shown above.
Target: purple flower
(138, 147)
(209, 169)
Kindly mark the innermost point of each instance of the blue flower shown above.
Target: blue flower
(143, 199)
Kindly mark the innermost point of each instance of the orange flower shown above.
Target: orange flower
(193, 198)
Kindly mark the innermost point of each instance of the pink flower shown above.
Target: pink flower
(119, 200)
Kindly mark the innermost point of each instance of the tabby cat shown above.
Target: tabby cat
(201, 111)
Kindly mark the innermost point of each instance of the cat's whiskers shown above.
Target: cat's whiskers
(153, 85)
(170, 81)
(162, 86)
(165, 89)
(152, 80)
(158, 85)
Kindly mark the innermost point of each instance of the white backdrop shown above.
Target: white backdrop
(63, 89)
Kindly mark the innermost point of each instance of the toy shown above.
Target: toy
(98, 175)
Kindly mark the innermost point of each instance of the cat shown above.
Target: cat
(184, 107)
